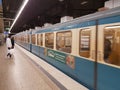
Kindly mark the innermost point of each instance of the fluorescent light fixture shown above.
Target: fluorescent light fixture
(112, 27)
(20, 11)
(84, 2)
(61, 0)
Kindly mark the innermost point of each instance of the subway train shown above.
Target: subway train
(86, 48)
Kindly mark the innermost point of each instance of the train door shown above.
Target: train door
(87, 49)
(108, 71)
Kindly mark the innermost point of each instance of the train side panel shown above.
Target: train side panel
(76, 67)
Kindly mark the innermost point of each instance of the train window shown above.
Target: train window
(22, 38)
(33, 39)
(49, 40)
(112, 45)
(85, 42)
(40, 39)
(28, 38)
(64, 41)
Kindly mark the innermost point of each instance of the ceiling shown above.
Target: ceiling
(38, 12)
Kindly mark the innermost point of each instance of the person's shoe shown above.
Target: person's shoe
(7, 54)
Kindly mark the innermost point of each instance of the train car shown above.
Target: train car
(24, 39)
(87, 48)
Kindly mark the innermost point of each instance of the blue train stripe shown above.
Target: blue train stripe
(70, 26)
(109, 20)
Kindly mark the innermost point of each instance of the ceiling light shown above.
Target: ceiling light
(20, 11)
(61, 0)
(84, 2)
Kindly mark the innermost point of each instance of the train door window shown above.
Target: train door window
(40, 39)
(49, 40)
(64, 41)
(85, 42)
(33, 38)
(112, 45)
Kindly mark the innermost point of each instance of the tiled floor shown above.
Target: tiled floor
(18, 73)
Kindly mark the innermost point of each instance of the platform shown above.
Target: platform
(25, 71)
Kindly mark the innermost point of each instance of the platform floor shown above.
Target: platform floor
(18, 73)
(25, 71)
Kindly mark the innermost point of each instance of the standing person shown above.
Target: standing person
(13, 43)
(107, 49)
(9, 45)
